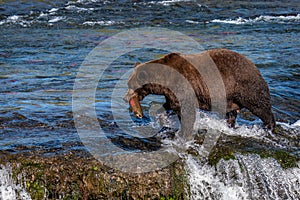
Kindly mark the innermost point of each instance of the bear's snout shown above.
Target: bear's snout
(132, 98)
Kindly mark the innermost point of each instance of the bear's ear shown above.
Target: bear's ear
(137, 63)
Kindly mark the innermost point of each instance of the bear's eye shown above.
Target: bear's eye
(141, 77)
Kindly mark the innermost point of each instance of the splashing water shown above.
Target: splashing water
(246, 176)
(9, 190)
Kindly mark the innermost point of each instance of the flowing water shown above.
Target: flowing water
(8, 188)
(43, 44)
(247, 176)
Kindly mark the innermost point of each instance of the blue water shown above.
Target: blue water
(43, 44)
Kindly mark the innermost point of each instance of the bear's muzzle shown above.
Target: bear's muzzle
(133, 99)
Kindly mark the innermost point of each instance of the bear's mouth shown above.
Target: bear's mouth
(133, 99)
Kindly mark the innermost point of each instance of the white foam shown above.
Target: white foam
(102, 23)
(279, 18)
(16, 19)
(13, 18)
(206, 184)
(169, 2)
(208, 121)
(56, 19)
(164, 3)
(287, 126)
(42, 15)
(260, 19)
(231, 21)
(296, 124)
(78, 9)
(83, 1)
(8, 189)
(192, 22)
(246, 177)
(52, 10)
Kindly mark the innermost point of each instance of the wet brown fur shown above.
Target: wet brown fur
(244, 85)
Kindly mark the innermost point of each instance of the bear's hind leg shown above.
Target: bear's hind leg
(264, 112)
(266, 115)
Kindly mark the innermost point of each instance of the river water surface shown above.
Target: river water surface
(43, 44)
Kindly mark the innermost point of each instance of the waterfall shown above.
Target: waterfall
(9, 190)
(246, 177)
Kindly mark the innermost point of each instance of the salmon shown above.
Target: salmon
(136, 106)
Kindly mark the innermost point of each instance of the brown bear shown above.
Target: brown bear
(244, 87)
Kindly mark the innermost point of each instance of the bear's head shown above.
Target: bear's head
(132, 96)
(153, 77)
(145, 79)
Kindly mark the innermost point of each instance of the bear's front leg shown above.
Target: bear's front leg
(172, 105)
(231, 117)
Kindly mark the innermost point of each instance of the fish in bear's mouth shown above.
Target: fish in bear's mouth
(133, 99)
